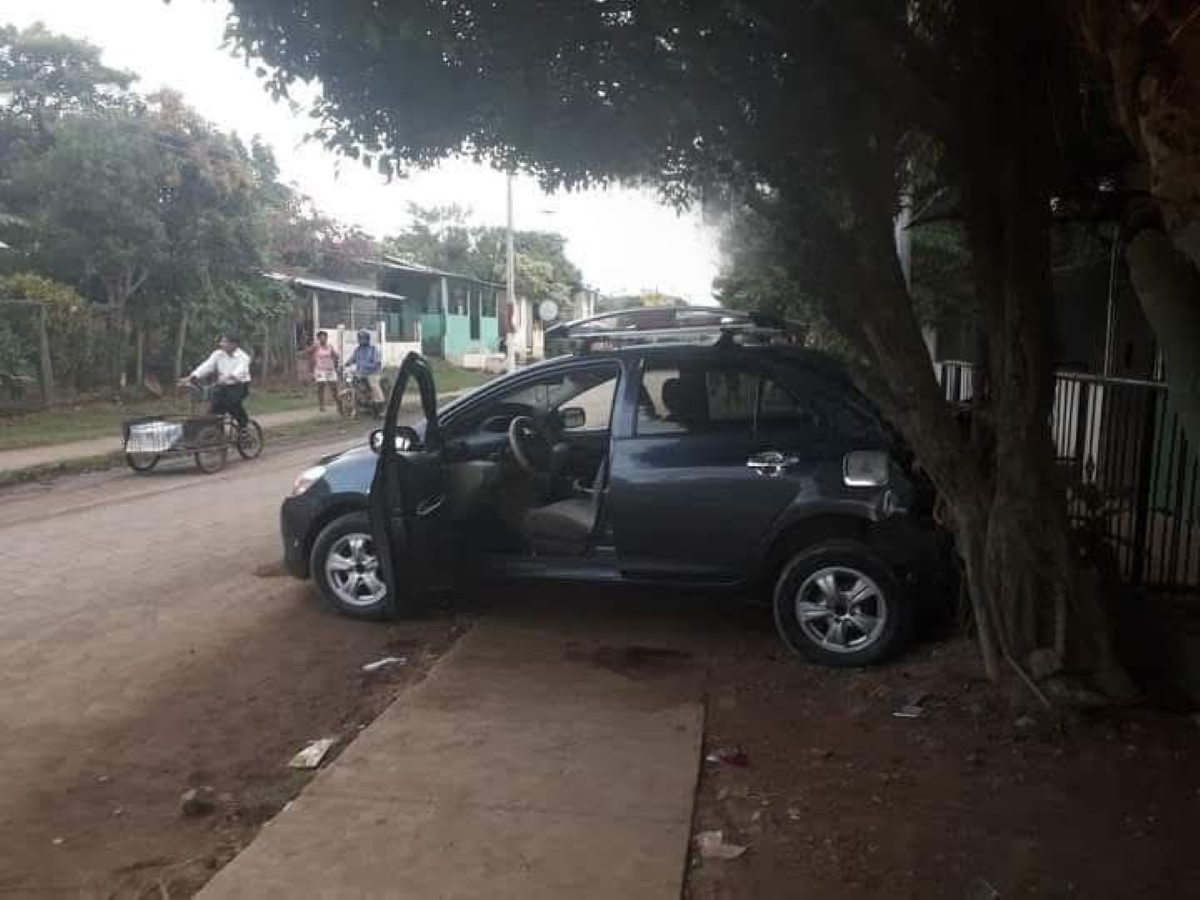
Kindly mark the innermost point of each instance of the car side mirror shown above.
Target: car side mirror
(573, 417)
(406, 438)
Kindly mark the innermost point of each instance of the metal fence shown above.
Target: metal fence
(1131, 473)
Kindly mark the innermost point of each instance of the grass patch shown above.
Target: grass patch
(452, 379)
(82, 422)
(279, 437)
(98, 419)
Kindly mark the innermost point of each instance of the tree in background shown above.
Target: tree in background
(617, 302)
(443, 238)
(44, 77)
(162, 223)
(214, 234)
(73, 350)
(96, 213)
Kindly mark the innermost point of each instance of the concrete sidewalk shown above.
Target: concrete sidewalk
(538, 760)
(57, 454)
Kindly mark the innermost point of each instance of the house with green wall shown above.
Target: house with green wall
(457, 317)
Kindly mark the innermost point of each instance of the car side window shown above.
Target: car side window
(779, 410)
(681, 400)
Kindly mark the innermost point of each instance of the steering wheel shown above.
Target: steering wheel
(527, 440)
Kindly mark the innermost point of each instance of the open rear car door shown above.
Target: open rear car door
(408, 504)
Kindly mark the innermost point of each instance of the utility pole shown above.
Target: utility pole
(510, 361)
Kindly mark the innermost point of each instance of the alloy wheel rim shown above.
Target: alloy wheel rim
(352, 570)
(841, 609)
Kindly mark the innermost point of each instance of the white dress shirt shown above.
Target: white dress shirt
(228, 367)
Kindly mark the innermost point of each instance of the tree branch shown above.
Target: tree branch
(900, 69)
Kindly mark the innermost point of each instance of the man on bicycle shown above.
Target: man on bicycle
(368, 364)
(231, 365)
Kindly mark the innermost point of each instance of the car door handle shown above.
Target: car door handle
(772, 463)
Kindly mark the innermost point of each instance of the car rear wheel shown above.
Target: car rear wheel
(346, 570)
(838, 604)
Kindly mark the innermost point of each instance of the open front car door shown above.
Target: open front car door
(408, 503)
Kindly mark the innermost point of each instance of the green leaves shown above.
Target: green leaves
(442, 238)
(98, 211)
(45, 76)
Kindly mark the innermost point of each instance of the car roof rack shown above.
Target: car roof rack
(705, 325)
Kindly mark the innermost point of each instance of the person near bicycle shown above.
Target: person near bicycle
(324, 361)
(368, 364)
(231, 366)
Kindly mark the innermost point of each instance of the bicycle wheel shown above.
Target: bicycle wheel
(142, 462)
(249, 440)
(214, 450)
(345, 403)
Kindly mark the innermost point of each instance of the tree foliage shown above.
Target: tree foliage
(95, 206)
(161, 222)
(45, 76)
(442, 237)
(73, 350)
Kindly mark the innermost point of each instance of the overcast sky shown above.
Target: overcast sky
(624, 241)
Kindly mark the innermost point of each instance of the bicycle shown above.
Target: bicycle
(207, 438)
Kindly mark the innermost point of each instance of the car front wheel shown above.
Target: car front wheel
(346, 570)
(838, 604)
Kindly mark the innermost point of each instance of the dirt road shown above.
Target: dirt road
(138, 658)
(148, 643)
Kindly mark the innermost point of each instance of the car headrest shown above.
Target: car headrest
(671, 391)
(686, 398)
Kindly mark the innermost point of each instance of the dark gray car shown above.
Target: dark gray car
(749, 467)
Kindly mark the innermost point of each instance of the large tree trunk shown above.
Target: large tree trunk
(1150, 56)
(1034, 607)
(1045, 606)
(1169, 288)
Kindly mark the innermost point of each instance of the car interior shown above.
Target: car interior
(528, 472)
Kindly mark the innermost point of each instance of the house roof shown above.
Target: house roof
(333, 287)
(396, 264)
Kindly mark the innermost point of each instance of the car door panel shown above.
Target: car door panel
(408, 504)
(694, 505)
(689, 507)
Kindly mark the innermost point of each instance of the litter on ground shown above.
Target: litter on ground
(312, 755)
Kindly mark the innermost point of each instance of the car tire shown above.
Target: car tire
(348, 538)
(838, 604)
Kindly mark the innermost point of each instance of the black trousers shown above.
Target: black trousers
(227, 398)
